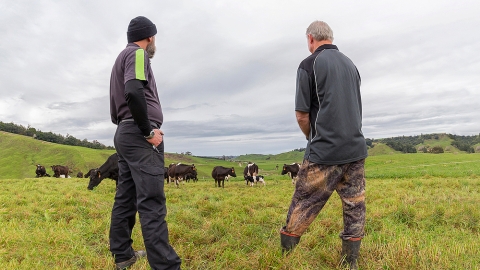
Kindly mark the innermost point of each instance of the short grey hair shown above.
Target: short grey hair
(320, 31)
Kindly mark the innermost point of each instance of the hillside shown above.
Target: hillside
(20, 154)
(431, 143)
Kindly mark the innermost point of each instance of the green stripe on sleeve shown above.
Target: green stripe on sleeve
(140, 65)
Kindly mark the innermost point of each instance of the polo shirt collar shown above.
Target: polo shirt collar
(132, 45)
(326, 47)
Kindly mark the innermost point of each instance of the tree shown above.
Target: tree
(436, 150)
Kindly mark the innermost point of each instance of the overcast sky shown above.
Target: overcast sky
(226, 70)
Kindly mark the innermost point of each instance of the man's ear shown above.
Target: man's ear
(310, 38)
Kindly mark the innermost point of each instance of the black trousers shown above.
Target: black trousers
(140, 188)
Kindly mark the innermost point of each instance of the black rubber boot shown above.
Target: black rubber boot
(288, 241)
(350, 250)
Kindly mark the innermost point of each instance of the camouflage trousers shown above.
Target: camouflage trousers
(314, 187)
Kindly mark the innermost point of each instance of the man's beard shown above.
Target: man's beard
(151, 49)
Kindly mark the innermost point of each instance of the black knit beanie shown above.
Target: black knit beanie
(140, 28)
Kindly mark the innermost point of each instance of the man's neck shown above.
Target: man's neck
(317, 44)
(142, 44)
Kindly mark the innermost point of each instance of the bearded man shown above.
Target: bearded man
(135, 108)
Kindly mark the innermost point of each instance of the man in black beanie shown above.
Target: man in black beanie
(135, 108)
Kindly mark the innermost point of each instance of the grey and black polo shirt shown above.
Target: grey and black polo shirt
(133, 63)
(328, 88)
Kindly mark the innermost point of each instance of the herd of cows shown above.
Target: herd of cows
(174, 173)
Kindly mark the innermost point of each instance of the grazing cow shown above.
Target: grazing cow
(180, 170)
(251, 169)
(40, 171)
(87, 175)
(254, 179)
(219, 173)
(192, 176)
(292, 170)
(109, 169)
(59, 170)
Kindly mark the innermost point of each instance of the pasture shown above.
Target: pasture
(424, 222)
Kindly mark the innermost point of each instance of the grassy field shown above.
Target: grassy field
(419, 223)
(422, 213)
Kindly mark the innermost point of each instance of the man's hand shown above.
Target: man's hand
(157, 139)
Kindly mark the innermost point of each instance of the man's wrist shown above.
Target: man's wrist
(151, 135)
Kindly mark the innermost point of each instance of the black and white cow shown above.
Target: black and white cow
(251, 169)
(251, 180)
(40, 171)
(291, 170)
(219, 173)
(179, 171)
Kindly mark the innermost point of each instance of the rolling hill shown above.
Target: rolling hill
(20, 154)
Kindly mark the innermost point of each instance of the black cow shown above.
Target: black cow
(87, 175)
(292, 170)
(59, 170)
(192, 176)
(80, 175)
(219, 173)
(180, 170)
(109, 169)
(254, 179)
(40, 171)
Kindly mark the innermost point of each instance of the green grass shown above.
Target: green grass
(419, 223)
(423, 165)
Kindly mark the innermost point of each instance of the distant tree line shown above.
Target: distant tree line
(407, 144)
(465, 143)
(404, 144)
(51, 137)
(299, 149)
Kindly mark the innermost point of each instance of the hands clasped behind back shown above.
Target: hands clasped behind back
(157, 139)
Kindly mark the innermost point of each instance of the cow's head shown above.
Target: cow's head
(232, 172)
(284, 170)
(95, 179)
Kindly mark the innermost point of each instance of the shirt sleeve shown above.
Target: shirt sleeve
(135, 66)
(302, 96)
